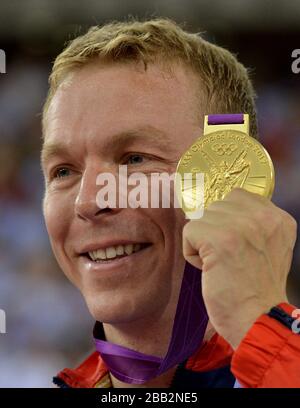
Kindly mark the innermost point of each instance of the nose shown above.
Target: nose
(86, 206)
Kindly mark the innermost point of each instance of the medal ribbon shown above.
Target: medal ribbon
(189, 327)
(223, 119)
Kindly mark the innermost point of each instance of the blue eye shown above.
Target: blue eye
(62, 172)
(135, 159)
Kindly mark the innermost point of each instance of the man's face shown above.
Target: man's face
(101, 117)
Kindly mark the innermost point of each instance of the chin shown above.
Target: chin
(106, 308)
(113, 309)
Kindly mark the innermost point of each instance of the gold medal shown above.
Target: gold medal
(229, 158)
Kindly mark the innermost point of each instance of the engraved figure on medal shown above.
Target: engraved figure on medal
(223, 177)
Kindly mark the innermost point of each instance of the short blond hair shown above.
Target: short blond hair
(225, 81)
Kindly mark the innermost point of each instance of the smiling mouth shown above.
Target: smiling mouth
(103, 255)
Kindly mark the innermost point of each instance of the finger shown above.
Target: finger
(198, 241)
(230, 207)
(244, 197)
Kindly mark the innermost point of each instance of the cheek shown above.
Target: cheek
(57, 218)
(176, 227)
(171, 222)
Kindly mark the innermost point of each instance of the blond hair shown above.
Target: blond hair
(225, 81)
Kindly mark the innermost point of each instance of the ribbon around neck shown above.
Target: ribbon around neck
(189, 327)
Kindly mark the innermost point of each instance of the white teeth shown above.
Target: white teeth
(101, 254)
(110, 252)
(129, 249)
(114, 251)
(120, 250)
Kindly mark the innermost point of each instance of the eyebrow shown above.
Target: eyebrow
(50, 150)
(149, 134)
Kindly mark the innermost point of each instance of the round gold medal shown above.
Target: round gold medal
(228, 159)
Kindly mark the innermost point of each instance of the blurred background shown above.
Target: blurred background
(48, 325)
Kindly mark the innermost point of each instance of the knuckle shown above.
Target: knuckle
(291, 224)
(268, 218)
(189, 228)
(273, 220)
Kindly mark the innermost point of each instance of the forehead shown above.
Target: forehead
(106, 99)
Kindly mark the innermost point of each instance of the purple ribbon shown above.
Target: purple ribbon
(188, 331)
(223, 119)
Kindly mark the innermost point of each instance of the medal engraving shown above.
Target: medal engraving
(228, 159)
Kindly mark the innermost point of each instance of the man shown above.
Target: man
(135, 94)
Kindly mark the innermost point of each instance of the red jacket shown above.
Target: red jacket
(268, 356)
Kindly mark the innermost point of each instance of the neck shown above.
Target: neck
(150, 334)
(146, 335)
(158, 346)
